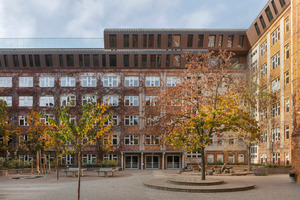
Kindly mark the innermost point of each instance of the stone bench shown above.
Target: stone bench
(106, 171)
(74, 171)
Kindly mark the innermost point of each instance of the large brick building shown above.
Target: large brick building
(136, 64)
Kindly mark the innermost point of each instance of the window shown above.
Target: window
(158, 61)
(275, 36)
(48, 59)
(195, 154)
(25, 81)
(131, 139)
(131, 81)
(220, 158)
(287, 158)
(113, 119)
(200, 40)
(172, 80)
(96, 60)
(110, 157)
(257, 28)
(16, 61)
(152, 140)
(263, 114)
(110, 81)
(263, 70)
(136, 60)
(263, 137)
(144, 60)
(211, 41)
(254, 67)
(112, 41)
(241, 41)
(151, 41)
(276, 158)
(262, 21)
(126, 40)
(231, 158)
(287, 25)
(190, 41)
(168, 60)
(5, 60)
(7, 99)
(150, 100)
(23, 61)
(220, 43)
(61, 60)
(88, 98)
(46, 117)
(22, 121)
(152, 120)
(47, 101)
(131, 100)
(263, 48)
(287, 51)
(269, 14)
(131, 120)
(276, 109)
(210, 158)
(231, 141)
(111, 100)
(263, 158)
(112, 139)
(152, 81)
(112, 60)
(230, 41)
(46, 81)
(274, 7)
(287, 105)
(86, 60)
(287, 78)
(126, 60)
(89, 159)
(88, 81)
(282, 2)
(25, 101)
(37, 60)
(176, 61)
(67, 82)
(80, 60)
(276, 85)
(176, 41)
(159, 40)
(152, 60)
(5, 81)
(64, 100)
(135, 41)
(70, 60)
(145, 41)
(275, 134)
(287, 132)
(276, 60)
(103, 60)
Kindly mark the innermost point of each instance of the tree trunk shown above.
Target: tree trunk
(56, 166)
(249, 157)
(203, 163)
(37, 162)
(49, 165)
(79, 171)
(32, 165)
(44, 163)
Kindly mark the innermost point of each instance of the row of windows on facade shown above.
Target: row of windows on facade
(219, 157)
(271, 17)
(275, 158)
(275, 110)
(85, 61)
(276, 82)
(275, 136)
(90, 81)
(174, 41)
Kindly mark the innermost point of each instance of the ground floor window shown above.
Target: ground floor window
(131, 162)
(287, 158)
(110, 157)
(210, 158)
(231, 158)
(68, 160)
(173, 162)
(196, 154)
(276, 158)
(152, 162)
(220, 157)
(89, 159)
(241, 158)
(263, 158)
(26, 158)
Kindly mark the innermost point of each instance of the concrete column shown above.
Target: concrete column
(282, 103)
(182, 160)
(163, 161)
(142, 161)
(122, 164)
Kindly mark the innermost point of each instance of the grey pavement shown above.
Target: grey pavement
(129, 186)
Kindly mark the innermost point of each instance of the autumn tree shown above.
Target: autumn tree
(199, 104)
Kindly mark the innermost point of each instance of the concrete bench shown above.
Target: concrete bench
(106, 171)
(74, 171)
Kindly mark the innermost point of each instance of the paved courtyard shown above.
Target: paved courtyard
(128, 185)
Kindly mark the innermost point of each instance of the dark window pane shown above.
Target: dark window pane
(30, 61)
(136, 60)
(135, 41)
(80, 60)
(230, 41)
(70, 60)
(37, 60)
(16, 61)
(176, 61)
(103, 60)
(151, 41)
(262, 21)
(96, 60)
(48, 59)
(241, 41)
(200, 40)
(257, 29)
(190, 41)
(86, 60)
(152, 60)
(112, 41)
(169, 41)
(159, 40)
(145, 41)
(0, 63)
(126, 40)
(158, 60)
(5, 60)
(269, 14)
(282, 2)
(144, 60)
(168, 60)
(61, 60)
(112, 60)
(126, 60)
(274, 7)
(24, 60)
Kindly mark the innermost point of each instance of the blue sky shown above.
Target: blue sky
(88, 18)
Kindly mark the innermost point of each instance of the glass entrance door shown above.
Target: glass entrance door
(131, 162)
(173, 162)
(152, 162)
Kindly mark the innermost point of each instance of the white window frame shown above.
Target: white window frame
(131, 100)
(275, 134)
(25, 101)
(172, 81)
(276, 157)
(90, 159)
(64, 100)
(286, 78)
(112, 101)
(276, 109)
(275, 36)
(110, 157)
(46, 117)
(287, 158)
(7, 99)
(150, 100)
(131, 120)
(287, 105)
(131, 81)
(263, 70)
(152, 140)
(263, 136)
(287, 132)
(276, 85)
(210, 158)
(115, 119)
(220, 157)
(5, 82)
(263, 48)
(287, 25)
(67, 81)
(88, 81)
(87, 98)
(287, 52)
(276, 60)
(25, 81)
(114, 140)
(46, 81)
(110, 81)
(131, 140)
(152, 81)
(47, 101)
(263, 158)
(22, 118)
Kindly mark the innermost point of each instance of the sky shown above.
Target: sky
(88, 18)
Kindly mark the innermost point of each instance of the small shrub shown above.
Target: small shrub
(108, 163)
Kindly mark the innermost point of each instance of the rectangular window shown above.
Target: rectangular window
(110, 157)
(172, 80)
(96, 60)
(113, 119)
(37, 60)
(131, 81)
(152, 120)
(135, 41)
(275, 36)
(22, 121)
(131, 120)
(145, 41)
(276, 60)
(70, 60)
(274, 7)
(262, 21)
(67, 82)
(287, 132)
(111, 100)
(269, 14)
(16, 61)
(263, 48)
(152, 140)
(7, 99)
(176, 60)
(287, 158)
(230, 41)
(287, 105)
(151, 41)
(241, 41)
(263, 114)
(61, 60)
(150, 100)
(131, 100)
(126, 60)
(48, 59)
(158, 40)
(113, 139)
(131, 139)
(112, 41)
(152, 60)
(263, 137)
(168, 60)
(287, 78)
(152, 81)
(282, 3)
(276, 109)
(287, 51)
(257, 29)
(47, 101)
(158, 61)
(263, 70)
(46, 81)
(88, 81)
(64, 100)
(103, 60)
(169, 41)
(287, 25)
(254, 67)
(190, 40)
(176, 41)
(126, 40)
(24, 61)
(136, 60)
(88, 98)
(110, 81)
(211, 41)
(112, 60)
(276, 158)
(5, 60)
(86, 60)
(275, 134)
(144, 60)
(25, 81)
(25, 101)
(200, 40)
(220, 43)
(5, 81)
(88, 159)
